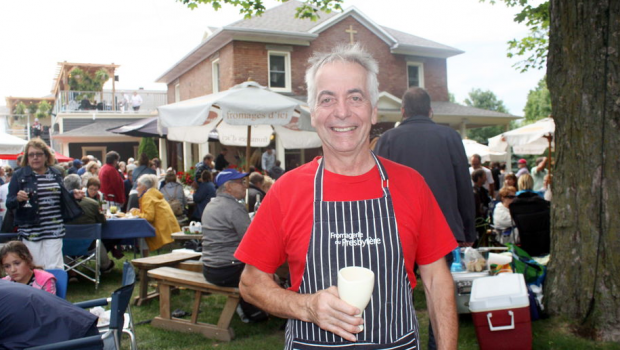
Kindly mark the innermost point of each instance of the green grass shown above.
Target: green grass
(552, 333)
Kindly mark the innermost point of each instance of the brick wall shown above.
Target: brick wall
(241, 60)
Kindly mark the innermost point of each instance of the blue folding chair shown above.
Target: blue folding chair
(62, 279)
(76, 243)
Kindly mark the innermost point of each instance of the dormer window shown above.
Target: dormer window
(280, 71)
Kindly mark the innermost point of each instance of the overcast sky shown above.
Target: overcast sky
(147, 37)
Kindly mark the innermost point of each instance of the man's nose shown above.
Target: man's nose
(342, 109)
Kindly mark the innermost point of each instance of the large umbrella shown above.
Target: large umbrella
(247, 108)
(472, 147)
(59, 157)
(10, 144)
(146, 127)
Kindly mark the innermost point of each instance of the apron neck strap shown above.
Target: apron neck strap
(320, 173)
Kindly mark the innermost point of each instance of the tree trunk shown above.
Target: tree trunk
(584, 81)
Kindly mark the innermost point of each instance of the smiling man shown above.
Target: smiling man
(349, 208)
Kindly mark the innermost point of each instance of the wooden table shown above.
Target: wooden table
(145, 264)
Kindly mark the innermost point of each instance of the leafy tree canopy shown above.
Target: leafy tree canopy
(534, 47)
(485, 100)
(250, 8)
(538, 104)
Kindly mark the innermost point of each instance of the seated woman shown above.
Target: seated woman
(155, 209)
(18, 264)
(92, 190)
(501, 214)
(526, 185)
(175, 196)
(91, 170)
(203, 194)
(510, 180)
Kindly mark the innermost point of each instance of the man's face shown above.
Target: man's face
(237, 188)
(475, 163)
(269, 151)
(343, 115)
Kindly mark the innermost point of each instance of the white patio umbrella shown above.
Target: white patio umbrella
(472, 147)
(246, 114)
(10, 144)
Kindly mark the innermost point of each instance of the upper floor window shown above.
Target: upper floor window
(215, 73)
(280, 71)
(415, 74)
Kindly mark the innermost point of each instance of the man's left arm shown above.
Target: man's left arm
(439, 291)
(540, 167)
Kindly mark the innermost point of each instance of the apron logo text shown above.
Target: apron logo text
(353, 239)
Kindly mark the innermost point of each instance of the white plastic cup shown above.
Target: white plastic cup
(355, 286)
(499, 259)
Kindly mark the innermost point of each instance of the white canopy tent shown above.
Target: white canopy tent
(472, 147)
(10, 144)
(530, 139)
(245, 115)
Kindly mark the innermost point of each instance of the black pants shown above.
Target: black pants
(228, 276)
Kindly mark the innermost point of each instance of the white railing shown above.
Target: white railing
(106, 102)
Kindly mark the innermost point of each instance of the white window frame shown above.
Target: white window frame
(215, 75)
(287, 70)
(420, 66)
(87, 149)
(177, 93)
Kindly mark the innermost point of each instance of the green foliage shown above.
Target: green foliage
(538, 104)
(147, 145)
(32, 108)
(44, 109)
(534, 47)
(485, 100)
(451, 97)
(251, 8)
(20, 108)
(79, 80)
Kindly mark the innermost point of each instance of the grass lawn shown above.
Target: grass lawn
(550, 333)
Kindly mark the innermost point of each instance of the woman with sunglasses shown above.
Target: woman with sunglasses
(501, 214)
(41, 204)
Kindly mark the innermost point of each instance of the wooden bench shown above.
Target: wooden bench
(168, 277)
(152, 262)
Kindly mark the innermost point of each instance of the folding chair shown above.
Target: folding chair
(111, 339)
(129, 278)
(61, 282)
(76, 243)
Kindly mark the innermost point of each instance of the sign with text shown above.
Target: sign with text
(238, 117)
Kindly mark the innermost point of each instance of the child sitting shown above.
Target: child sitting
(17, 264)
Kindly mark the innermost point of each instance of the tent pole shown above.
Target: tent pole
(247, 149)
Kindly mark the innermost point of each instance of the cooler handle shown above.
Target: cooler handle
(502, 328)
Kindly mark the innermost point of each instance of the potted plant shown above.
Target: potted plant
(20, 109)
(44, 109)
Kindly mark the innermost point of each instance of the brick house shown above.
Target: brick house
(273, 50)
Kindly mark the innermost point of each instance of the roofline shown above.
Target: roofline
(232, 32)
(404, 49)
(363, 19)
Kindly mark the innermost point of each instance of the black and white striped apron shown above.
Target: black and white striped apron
(358, 233)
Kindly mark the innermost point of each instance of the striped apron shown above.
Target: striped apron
(358, 233)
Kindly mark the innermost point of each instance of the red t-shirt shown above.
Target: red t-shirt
(281, 229)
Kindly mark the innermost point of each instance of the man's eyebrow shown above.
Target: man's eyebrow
(326, 92)
(353, 91)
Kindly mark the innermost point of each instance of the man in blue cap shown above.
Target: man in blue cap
(77, 164)
(224, 222)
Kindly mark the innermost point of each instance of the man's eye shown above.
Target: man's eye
(326, 100)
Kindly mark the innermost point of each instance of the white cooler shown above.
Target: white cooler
(463, 282)
(500, 309)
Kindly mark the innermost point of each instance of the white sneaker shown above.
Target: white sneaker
(244, 319)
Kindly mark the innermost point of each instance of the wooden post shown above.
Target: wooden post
(114, 89)
(247, 149)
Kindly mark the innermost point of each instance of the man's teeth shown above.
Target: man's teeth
(350, 128)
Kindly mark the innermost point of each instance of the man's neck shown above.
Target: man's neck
(354, 165)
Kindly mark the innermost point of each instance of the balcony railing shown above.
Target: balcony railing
(106, 102)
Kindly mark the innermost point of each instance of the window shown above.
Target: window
(215, 73)
(98, 152)
(415, 74)
(280, 71)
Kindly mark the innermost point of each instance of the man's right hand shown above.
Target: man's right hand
(328, 311)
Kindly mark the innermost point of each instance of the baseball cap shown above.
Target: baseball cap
(522, 161)
(227, 175)
(77, 162)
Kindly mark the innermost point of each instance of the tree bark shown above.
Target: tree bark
(583, 73)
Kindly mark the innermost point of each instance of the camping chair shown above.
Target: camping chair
(531, 214)
(111, 339)
(75, 249)
(61, 282)
(129, 278)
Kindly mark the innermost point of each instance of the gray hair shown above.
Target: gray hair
(344, 53)
(73, 182)
(148, 180)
